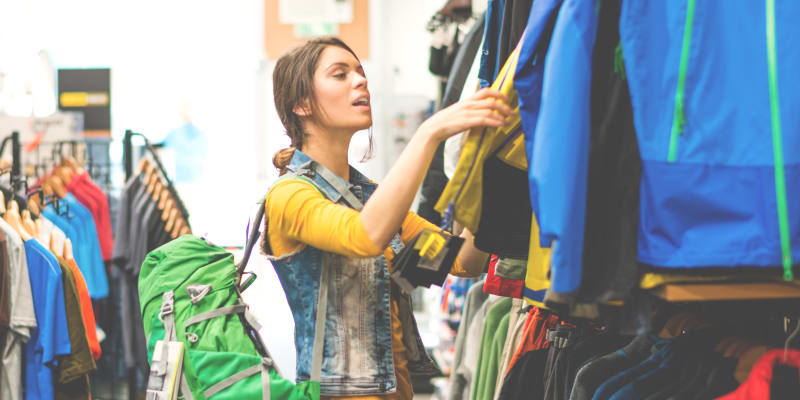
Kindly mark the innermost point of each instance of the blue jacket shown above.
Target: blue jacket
(712, 83)
(720, 177)
(553, 84)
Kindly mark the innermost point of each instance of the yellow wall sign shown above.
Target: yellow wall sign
(83, 99)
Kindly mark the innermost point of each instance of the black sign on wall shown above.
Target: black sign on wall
(87, 91)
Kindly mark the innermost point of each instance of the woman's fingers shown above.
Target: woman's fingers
(489, 93)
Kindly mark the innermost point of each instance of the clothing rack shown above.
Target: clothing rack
(127, 159)
(96, 168)
(127, 151)
(16, 160)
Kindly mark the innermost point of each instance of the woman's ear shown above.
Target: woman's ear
(302, 109)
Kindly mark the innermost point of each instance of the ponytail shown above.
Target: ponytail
(282, 158)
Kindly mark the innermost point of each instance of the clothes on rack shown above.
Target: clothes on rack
(147, 219)
(52, 342)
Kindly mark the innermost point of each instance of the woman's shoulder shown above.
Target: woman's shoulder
(285, 189)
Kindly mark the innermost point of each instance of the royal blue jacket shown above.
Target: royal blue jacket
(713, 87)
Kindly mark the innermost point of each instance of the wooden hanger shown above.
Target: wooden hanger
(173, 214)
(149, 174)
(185, 231)
(67, 255)
(2, 203)
(157, 186)
(64, 173)
(169, 205)
(162, 198)
(73, 165)
(58, 186)
(52, 243)
(142, 167)
(33, 206)
(15, 220)
(154, 180)
(682, 323)
(179, 224)
(27, 223)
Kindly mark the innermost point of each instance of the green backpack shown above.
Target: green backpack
(190, 291)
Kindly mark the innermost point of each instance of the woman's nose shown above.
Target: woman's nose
(360, 81)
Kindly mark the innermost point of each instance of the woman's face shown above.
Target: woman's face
(340, 91)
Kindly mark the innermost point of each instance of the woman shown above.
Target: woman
(314, 226)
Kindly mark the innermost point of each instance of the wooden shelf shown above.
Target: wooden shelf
(727, 291)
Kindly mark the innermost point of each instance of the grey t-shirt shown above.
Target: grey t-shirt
(469, 329)
(21, 320)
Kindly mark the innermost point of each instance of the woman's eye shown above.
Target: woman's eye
(340, 75)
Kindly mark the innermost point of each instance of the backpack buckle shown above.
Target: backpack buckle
(167, 305)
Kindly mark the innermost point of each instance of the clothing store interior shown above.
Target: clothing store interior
(174, 224)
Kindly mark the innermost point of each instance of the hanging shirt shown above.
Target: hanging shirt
(558, 140)
(5, 293)
(86, 309)
(78, 225)
(79, 361)
(95, 200)
(51, 339)
(22, 320)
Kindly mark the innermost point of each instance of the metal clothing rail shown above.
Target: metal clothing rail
(127, 151)
(16, 160)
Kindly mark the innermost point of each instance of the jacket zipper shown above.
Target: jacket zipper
(777, 145)
(679, 117)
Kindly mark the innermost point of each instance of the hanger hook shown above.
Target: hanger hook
(789, 341)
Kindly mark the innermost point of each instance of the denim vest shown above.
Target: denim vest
(357, 351)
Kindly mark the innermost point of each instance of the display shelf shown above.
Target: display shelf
(688, 292)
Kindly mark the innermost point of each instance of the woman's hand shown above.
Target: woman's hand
(486, 108)
(384, 212)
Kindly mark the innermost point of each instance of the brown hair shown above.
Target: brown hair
(292, 83)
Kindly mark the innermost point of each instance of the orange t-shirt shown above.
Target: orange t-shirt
(86, 309)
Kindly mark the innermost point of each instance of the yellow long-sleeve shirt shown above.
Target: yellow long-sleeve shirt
(299, 215)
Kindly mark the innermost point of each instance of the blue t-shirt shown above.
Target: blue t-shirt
(51, 337)
(79, 227)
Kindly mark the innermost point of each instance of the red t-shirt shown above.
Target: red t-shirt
(95, 200)
(757, 385)
(501, 286)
